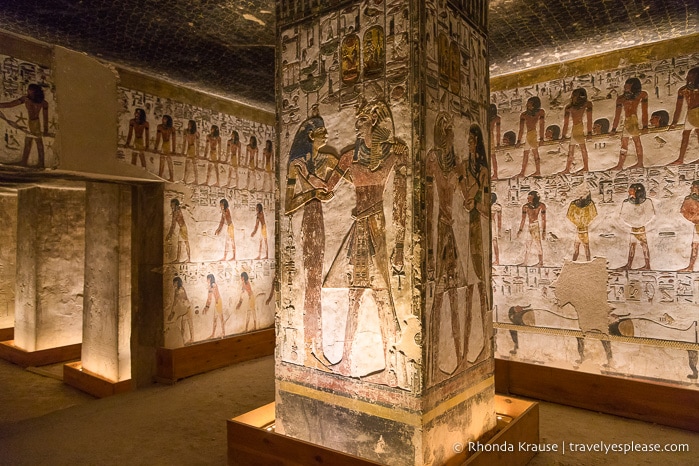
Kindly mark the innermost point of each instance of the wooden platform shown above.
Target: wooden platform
(9, 352)
(643, 400)
(7, 334)
(178, 363)
(88, 382)
(251, 442)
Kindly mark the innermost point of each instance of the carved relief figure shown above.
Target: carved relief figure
(233, 148)
(494, 121)
(444, 173)
(211, 148)
(260, 222)
(191, 150)
(496, 225)
(178, 220)
(182, 310)
(362, 263)
(690, 211)
(477, 203)
(36, 106)
(246, 290)
(688, 93)
(166, 135)
(251, 154)
(636, 212)
(581, 212)
(308, 174)
(214, 296)
(533, 119)
(628, 101)
(531, 211)
(230, 238)
(578, 107)
(138, 130)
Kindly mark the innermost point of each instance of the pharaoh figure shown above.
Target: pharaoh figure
(362, 263)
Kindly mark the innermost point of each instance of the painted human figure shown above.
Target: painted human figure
(246, 290)
(182, 310)
(578, 108)
(230, 231)
(444, 174)
(165, 141)
(211, 152)
(178, 220)
(267, 154)
(581, 212)
(190, 149)
(494, 121)
(362, 263)
(690, 211)
(496, 225)
(267, 159)
(214, 296)
(689, 94)
(629, 102)
(531, 211)
(533, 119)
(310, 166)
(637, 211)
(139, 132)
(233, 150)
(251, 154)
(477, 194)
(260, 222)
(37, 107)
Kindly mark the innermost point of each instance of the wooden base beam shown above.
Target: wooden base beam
(89, 382)
(7, 334)
(646, 401)
(10, 352)
(178, 363)
(253, 442)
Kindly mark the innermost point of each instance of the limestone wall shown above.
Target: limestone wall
(8, 253)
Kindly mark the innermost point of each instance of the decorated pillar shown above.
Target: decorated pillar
(107, 312)
(50, 266)
(384, 331)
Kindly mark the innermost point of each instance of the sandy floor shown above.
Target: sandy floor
(44, 422)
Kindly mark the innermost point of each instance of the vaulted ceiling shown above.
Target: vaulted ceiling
(226, 47)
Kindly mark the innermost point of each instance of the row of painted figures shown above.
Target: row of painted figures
(578, 113)
(214, 152)
(226, 220)
(637, 211)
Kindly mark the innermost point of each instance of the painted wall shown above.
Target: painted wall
(599, 274)
(220, 157)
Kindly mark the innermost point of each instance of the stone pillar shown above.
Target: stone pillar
(106, 347)
(384, 330)
(50, 266)
(8, 257)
